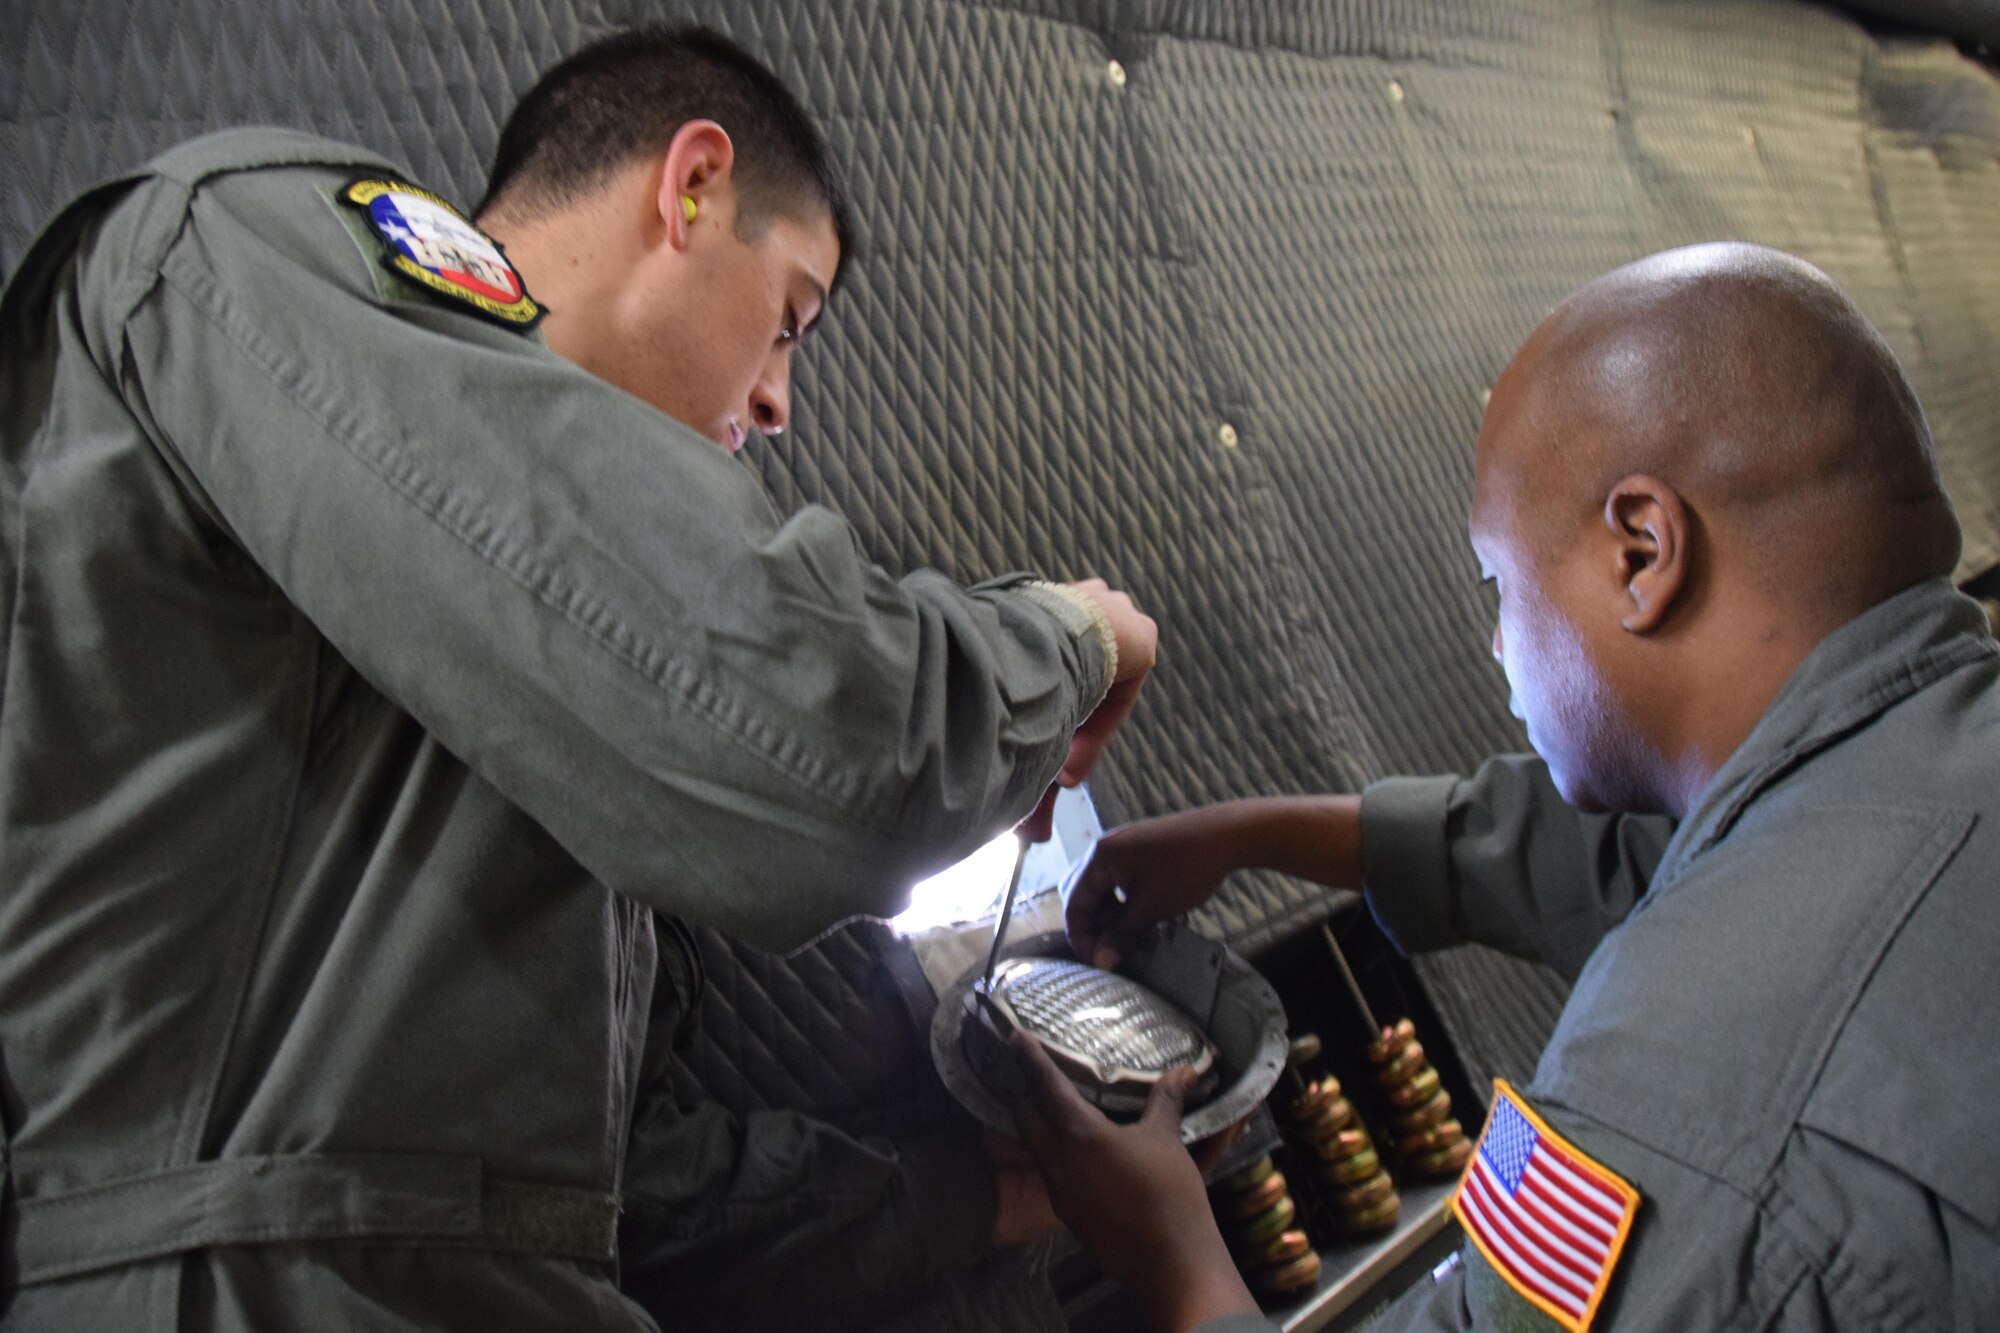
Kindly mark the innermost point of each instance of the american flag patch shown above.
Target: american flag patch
(1550, 1220)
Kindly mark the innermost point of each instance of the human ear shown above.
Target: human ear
(1650, 536)
(693, 170)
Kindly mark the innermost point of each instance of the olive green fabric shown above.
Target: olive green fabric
(1785, 1045)
(370, 673)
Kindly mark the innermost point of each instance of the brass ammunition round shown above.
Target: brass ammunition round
(1258, 1197)
(1304, 1049)
(1365, 1196)
(1442, 1163)
(1300, 1274)
(1345, 1144)
(1273, 1222)
(1353, 1170)
(1379, 1218)
(1311, 1104)
(1249, 1177)
(1432, 1112)
(1403, 1068)
(1280, 1249)
(1328, 1124)
(1416, 1092)
(1381, 1051)
(1441, 1135)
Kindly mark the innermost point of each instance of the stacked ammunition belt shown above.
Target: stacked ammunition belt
(1429, 1143)
(1255, 1210)
(1343, 1187)
(1325, 1130)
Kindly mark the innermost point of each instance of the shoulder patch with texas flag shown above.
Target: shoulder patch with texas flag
(429, 242)
(1551, 1221)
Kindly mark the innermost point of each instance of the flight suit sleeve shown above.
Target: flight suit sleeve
(724, 715)
(1500, 859)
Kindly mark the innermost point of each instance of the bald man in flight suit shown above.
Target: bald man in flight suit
(1761, 839)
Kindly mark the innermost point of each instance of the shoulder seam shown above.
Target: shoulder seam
(701, 698)
(256, 149)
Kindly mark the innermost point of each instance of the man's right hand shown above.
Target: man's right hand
(1147, 872)
(1138, 640)
(1160, 868)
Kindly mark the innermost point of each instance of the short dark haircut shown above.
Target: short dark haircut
(626, 96)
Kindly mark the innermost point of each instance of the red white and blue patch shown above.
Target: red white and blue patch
(430, 242)
(1550, 1221)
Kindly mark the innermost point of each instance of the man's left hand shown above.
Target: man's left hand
(1132, 1194)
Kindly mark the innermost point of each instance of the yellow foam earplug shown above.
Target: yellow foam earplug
(687, 206)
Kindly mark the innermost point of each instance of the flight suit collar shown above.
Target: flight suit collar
(1868, 665)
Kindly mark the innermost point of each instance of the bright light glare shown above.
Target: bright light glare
(970, 892)
(964, 892)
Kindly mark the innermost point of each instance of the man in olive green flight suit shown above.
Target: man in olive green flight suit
(1708, 497)
(371, 674)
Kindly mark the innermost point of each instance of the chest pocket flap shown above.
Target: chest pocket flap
(1912, 1079)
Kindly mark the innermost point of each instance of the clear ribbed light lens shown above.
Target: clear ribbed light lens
(1108, 1020)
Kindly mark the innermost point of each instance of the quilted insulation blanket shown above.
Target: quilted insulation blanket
(1201, 297)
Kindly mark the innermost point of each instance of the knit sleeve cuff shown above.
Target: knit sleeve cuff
(1081, 616)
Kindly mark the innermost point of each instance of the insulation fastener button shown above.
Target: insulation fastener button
(1227, 434)
(1116, 73)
